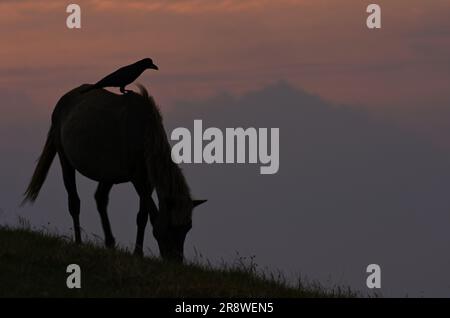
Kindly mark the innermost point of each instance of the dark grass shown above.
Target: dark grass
(33, 264)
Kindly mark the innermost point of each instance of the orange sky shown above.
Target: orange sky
(204, 47)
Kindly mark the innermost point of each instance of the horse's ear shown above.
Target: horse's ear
(198, 202)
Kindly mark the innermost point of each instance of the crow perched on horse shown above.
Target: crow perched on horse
(125, 75)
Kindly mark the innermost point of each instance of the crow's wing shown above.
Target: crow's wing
(113, 79)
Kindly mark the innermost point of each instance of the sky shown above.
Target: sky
(205, 46)
(290, 49)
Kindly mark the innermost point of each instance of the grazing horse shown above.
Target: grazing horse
(114, 139)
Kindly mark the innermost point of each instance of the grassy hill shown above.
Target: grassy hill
(33, 264)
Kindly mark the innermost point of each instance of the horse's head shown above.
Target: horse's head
(171, 226)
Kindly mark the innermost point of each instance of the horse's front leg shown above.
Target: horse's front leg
(101, 198)
(146, 207)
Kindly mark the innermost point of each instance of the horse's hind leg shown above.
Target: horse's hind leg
(101, 198)
(74, 201)
(146, 207)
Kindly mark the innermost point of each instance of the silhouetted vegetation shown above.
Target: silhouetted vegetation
(33, 264)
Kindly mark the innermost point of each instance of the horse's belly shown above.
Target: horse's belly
(97, 146)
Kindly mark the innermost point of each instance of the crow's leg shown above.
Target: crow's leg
(124, 91)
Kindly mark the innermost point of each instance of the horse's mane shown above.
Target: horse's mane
(166, 175)
(150, 100)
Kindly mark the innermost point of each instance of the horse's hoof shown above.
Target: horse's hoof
(138, 253)
(111, 244)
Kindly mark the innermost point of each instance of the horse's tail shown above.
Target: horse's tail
(42, 168)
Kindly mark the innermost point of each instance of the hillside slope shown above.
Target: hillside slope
(33, 264)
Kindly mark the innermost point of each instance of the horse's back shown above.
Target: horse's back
(102, 133)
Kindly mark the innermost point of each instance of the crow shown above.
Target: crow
(125, 75)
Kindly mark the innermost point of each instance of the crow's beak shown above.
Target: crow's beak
(154, 67)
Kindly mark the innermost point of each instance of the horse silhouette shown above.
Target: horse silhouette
(114, 139)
